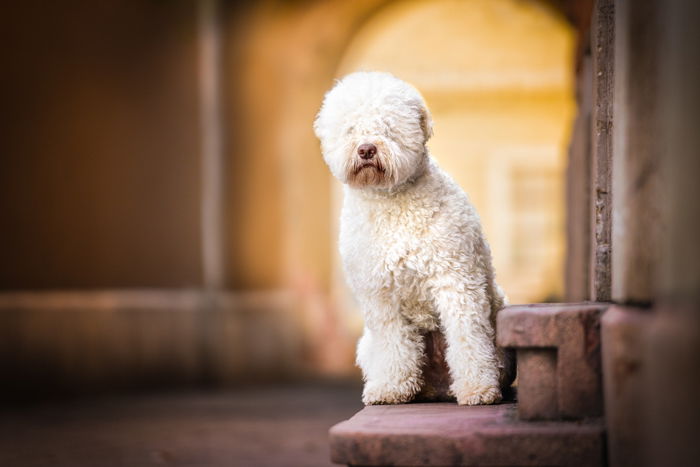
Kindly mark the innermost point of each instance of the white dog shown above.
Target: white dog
(412, 246)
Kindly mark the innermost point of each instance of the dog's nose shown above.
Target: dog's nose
(367, 150)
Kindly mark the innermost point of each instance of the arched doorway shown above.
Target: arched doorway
(498, 78)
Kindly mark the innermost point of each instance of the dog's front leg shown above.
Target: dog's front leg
(390, 354)
(465, 311)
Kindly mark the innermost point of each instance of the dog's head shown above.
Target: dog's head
(373, 129)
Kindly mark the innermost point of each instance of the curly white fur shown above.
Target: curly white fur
(412, 245)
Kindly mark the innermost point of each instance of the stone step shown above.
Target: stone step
(556, 421)
(558, 355)
(445, 434)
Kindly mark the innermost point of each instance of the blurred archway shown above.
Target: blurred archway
(498, 77)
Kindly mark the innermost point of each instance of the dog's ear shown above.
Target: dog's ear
(426, 122)
(318, 130)
(317, 127)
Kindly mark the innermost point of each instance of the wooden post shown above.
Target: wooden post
(637, 220)
(578, 182)
(602, 47)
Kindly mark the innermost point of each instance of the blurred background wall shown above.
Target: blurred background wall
(166, 214)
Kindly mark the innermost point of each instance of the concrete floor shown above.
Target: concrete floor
(253, 427)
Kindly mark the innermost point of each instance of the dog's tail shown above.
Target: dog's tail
(500, 299)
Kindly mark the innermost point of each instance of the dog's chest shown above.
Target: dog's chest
(384, 248)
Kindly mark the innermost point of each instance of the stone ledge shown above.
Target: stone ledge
(444, 434)
(558, 353)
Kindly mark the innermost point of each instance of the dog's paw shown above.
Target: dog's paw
(387, 393)
(479, 396)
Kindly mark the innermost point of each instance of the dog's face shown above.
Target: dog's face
(373, 128)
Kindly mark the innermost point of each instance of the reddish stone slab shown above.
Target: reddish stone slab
(538, 380)
(569, 333)
(444, 434)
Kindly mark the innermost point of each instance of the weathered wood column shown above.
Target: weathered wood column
(602, 51)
